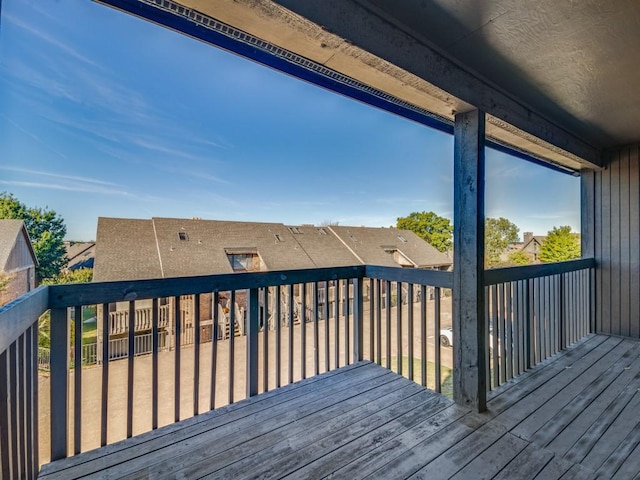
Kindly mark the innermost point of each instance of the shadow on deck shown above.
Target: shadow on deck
(573, 416)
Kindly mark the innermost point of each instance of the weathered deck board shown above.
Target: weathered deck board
(574, 416)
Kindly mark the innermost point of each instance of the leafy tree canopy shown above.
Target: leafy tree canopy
(499, 233)
(518, 257)
(81, 275)
(46, 229)
(561, 244)
(436, 230)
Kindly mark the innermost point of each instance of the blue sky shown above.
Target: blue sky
(103, 114)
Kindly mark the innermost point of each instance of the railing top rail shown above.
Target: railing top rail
(16, 317)
(70, 295)
(512, 274)
(434, 278)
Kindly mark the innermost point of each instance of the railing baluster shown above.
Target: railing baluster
(336, 322)
(327, 362)
(399, 327)
(59, 381)
(77, 390)
(252, 342)
(177, 315)
(509, 330)
(379, 322)
(196, 354)
(487, 316)
(388, 323)
(436, 352)
(371, 320)
(5, 444)
(31, 375)
(21, 380)
(105, 375)
(347, 320)
(131, 351)
(303, 331)
(410, 328)
(316, 353)
(423, 335)
(278, 325)
(232, 339)
(265, 340)
(35, 403)
(358, 320)
(290, 338)
(155, 341)
(496, 335)
(215, 328)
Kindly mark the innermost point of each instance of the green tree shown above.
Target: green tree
(499, 233)
(561, 244)
(518, 257)
(436, 230)
(46, 229)
(81, 275)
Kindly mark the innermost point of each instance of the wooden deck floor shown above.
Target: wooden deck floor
(574, 416)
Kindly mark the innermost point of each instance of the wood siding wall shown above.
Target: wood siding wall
(20, 256)
(616, 231)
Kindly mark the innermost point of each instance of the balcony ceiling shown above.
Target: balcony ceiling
(558, 79)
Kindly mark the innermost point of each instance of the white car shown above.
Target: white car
(446, 338)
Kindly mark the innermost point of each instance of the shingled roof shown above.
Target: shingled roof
(129, 249)
(376, 246)
(80, 254)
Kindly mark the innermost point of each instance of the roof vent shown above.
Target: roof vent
(402, 239)
(295, 230)
(183, 236)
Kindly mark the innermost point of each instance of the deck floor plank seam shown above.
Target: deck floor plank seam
(281, 435)
(554, 415)
(186, 450)
(532, 396)
(109, 455)
(578, 417)
(548, 373)
(301, 451)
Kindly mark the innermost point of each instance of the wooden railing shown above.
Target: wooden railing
(295, 324)
(19, 384)
(533, 312)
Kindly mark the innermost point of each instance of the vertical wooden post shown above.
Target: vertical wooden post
(587, 234)
(469, 373)
(252, 343)
(358, 320)
(59, 382)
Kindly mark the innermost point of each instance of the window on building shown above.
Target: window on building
(402, 239)
(295, 230)
(183, 236)
(322, 231)
(244, 261)
(398, 257)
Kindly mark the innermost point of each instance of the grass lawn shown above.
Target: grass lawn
(445, 373)
(89, 329)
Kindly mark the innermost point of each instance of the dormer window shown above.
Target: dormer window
(244, 259)
(322, 231)
(183, 236)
